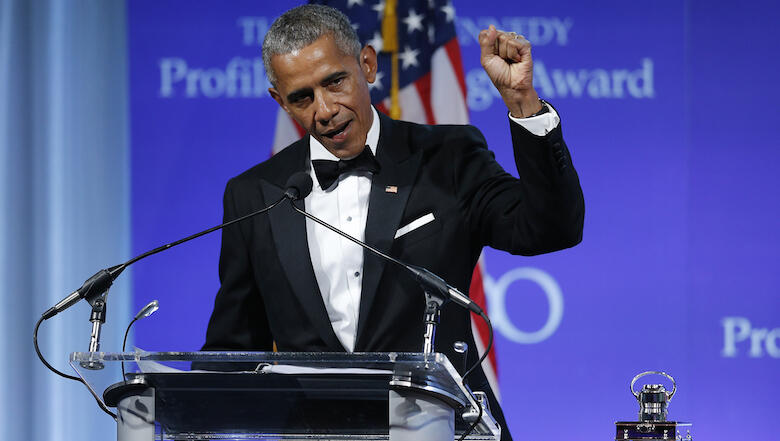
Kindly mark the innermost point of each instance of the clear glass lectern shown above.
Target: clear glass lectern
(284, 396)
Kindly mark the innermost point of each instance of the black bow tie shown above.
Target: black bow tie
(328, 171)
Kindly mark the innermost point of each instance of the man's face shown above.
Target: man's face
(326, 92)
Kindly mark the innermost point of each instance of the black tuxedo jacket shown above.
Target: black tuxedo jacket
(268, 289)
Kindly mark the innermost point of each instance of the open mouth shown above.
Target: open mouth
(339, 133)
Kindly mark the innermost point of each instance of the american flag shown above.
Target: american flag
(431, 90)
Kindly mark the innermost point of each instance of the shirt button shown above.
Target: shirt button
(349, 218)
(357, 273)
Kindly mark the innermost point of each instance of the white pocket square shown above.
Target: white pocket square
(415, 224)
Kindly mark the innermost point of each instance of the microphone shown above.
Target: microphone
(93, 287)
(146, 311)
(102, 280)
(427, 278)
(300, 185)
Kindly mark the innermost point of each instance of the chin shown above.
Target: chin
(347, 148)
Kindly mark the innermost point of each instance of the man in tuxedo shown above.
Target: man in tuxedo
(431, 196)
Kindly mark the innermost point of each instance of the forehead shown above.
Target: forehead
(310, 64)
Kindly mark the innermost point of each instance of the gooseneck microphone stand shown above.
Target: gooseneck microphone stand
(436, 290)
(433, 299)
(95, 290)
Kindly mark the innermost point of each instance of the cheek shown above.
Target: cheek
(350, 92)
(301, 116)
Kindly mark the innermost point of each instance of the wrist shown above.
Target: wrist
(525, 105)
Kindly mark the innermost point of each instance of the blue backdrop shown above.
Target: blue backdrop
(666, 106)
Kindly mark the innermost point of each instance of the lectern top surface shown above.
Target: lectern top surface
(190, 386)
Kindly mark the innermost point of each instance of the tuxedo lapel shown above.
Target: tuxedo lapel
(390, 189)
(290, 238)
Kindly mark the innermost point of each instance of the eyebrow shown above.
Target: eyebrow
(333, 76)
(298, 94)
(307, 91)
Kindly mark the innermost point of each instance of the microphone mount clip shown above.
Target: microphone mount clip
(97, 317)
(433, 303)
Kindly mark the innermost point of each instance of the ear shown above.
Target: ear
(278, 98)
(368, 63)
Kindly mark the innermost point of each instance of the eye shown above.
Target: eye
(301, 101)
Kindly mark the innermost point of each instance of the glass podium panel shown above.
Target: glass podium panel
(279, 395)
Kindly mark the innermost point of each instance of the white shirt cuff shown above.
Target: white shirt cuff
(539, 125)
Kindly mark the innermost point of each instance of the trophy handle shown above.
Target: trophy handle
(674, 383)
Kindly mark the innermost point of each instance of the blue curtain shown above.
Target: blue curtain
(64, 196)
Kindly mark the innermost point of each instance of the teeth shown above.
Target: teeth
(336, 132)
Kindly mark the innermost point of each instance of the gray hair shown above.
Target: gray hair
(302, 26)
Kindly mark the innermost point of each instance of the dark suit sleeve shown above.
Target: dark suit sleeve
(540, 212)
(238, 321)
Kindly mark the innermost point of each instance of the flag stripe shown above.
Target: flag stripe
(453, 51)
(477, 293)
(487, 366)
(383, 107)
(287, 131)
(412, 108)
(448, 99)
(423, 86)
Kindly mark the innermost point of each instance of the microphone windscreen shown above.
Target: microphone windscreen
(298, 186)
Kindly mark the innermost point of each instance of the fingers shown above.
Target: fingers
(512, 47)
(508, 45)
(517, 49)
(487, 41)
(501, 44)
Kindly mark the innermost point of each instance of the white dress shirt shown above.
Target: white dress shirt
(337, 262)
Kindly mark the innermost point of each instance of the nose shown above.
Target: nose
(326, 108)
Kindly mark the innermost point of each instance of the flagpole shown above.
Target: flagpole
(390, 44)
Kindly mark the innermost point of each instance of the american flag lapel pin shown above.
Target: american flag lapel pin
(391, 189)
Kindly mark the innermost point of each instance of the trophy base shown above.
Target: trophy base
(652, 430)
